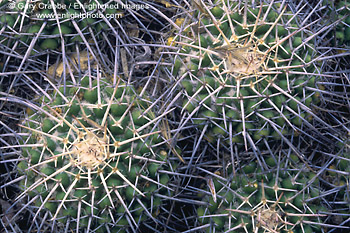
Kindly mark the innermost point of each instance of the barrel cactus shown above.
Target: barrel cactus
(91, 157)
(246, 71)
(250, 201)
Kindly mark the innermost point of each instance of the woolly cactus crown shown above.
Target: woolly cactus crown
(93, 155)
(247, 72)
(252, 201)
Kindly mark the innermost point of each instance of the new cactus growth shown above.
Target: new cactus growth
(91, 158)
(246, 71)
(251, 201)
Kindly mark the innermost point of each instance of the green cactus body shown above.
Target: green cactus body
(251, 71)
(91, 157)
(341, 33)
(252, 201)
(87, 17)
(339, 170)
(337, 176)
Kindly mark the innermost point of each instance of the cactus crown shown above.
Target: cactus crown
(94, 150)
(278, 201)
(247, 72)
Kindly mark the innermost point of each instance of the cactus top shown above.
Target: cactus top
(246, 69)
(96, 150)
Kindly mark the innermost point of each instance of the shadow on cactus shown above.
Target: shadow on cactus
(247, 73)
(91, 157)
(337, 13)
(44, 32)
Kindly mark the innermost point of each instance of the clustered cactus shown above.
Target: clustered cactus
(92, 156)
(248, 76)
(231, 122)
